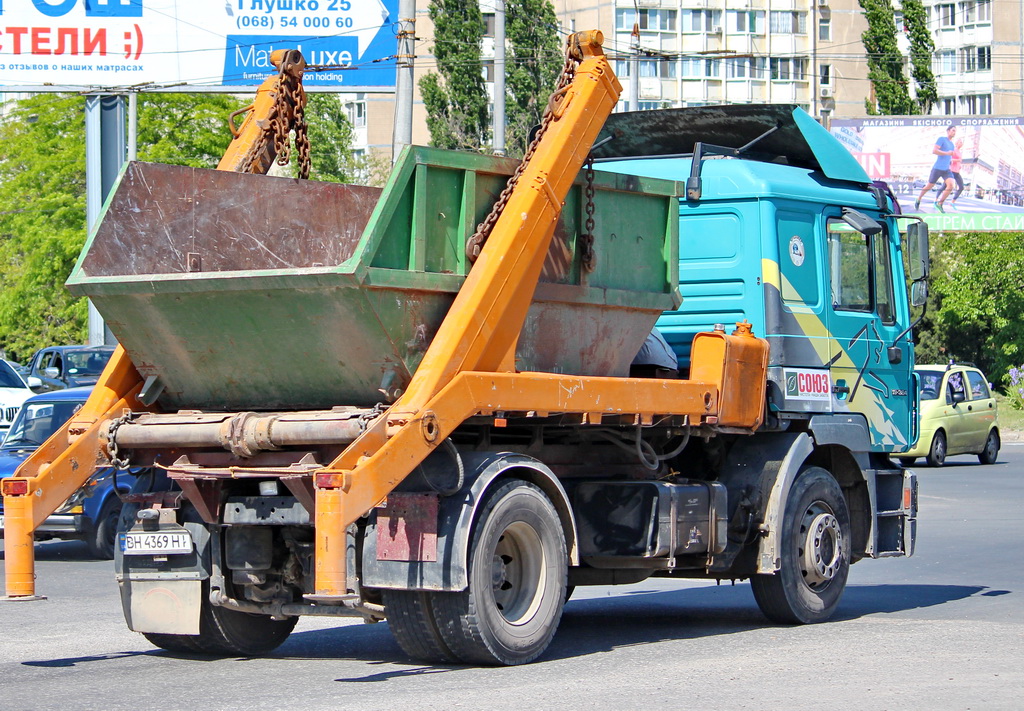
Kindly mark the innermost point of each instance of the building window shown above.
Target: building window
(356, 111)
(660, 68)
(984, 59)
(947, 106)
(692, 68)
(744, 68)
(945, 62)
(970, 58)
(825, 75)
(489, 24)
(984, 8)
(976, 104)
(825, 29)
(701, 20)
(791, 69)
(786, 23)
(651, 20)
(747, 22)
(976, 12)
(622, 68)
(947, 15)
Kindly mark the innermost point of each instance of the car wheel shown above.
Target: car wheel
(814, 547)
(937, 452)
(104, 530)
(908, 461)
(991, 451)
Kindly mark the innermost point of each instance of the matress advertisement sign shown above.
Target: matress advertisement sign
(71, 44)
(958, 172)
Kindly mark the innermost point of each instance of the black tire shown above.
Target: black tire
(937, 452)
(224, 632)
(518, 568)
(908, 461)
(411, 619)
(814, 545)
(178, 643)
(990, 454)
(102, 535)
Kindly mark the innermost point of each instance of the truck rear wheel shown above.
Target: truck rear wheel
(518, 568)
(814, 546)
(411, 619)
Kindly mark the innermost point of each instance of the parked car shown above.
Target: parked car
(60, 367)
(89, 514)
(958, 415)
(14, 390)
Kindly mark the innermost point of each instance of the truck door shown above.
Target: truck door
(862, 324)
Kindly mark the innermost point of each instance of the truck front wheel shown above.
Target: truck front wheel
(518, 569)
(814, 550)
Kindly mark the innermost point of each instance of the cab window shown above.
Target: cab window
(861, 272)
(979, 388)
(956, 390)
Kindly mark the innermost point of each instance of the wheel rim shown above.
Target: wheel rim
(822, 546)
(518, 573)
(990, 447)
(940, 448)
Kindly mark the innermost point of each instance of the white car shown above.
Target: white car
(13, 392)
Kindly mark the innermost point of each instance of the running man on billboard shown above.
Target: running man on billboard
(944, 149)
(955, 166)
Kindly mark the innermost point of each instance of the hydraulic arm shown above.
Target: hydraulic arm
(68, 458)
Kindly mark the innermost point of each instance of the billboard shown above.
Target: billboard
(988, 152)
(53, 45)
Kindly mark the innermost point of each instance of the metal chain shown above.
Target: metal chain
(573, 55)
(290, 104)
(587, 255)
(119, 463)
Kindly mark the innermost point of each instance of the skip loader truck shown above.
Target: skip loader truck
(420, 403)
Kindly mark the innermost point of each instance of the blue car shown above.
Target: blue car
(92, 512)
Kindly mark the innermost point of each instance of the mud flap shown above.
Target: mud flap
(162, 606)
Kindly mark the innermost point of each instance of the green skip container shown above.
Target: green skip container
(249, 292)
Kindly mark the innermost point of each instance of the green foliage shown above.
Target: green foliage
(454, 97)
(1014, 381)
(977, 304)
(885, 62)
(42, 201)
(42, 222)
(534, 62)
(922, 47)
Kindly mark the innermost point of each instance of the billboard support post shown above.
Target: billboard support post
(104, 153)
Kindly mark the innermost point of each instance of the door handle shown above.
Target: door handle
(969, 408)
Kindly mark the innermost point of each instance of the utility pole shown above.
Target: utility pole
(499, 77)
(403, 78)
(634, 67)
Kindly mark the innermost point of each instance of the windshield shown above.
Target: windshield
(931, 381)
(89, 362)
(8, 378)
(38, 420)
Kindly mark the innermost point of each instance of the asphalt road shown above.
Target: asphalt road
(941, 630)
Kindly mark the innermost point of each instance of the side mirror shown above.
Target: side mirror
(33, 382)
(959, 397)
(51, 372)
(919, 293)
(917, 241)
(861, 222)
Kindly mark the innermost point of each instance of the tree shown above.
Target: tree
(922, 47)
(454, 96)
(885, 62)
(42, 200)
(977, 307)
(533, 65)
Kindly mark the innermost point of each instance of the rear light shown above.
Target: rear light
(330, 480)
(14, 487)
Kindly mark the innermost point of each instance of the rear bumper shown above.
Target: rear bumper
(59, 525)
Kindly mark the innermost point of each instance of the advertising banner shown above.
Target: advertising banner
(55, 45)
(977, 161)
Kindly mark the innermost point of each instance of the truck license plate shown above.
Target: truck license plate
(158, 543)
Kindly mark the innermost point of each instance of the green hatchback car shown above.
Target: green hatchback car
(958, 415)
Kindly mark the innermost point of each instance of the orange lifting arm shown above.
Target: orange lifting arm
(67, 459)
(278, 108)
(482, 327)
